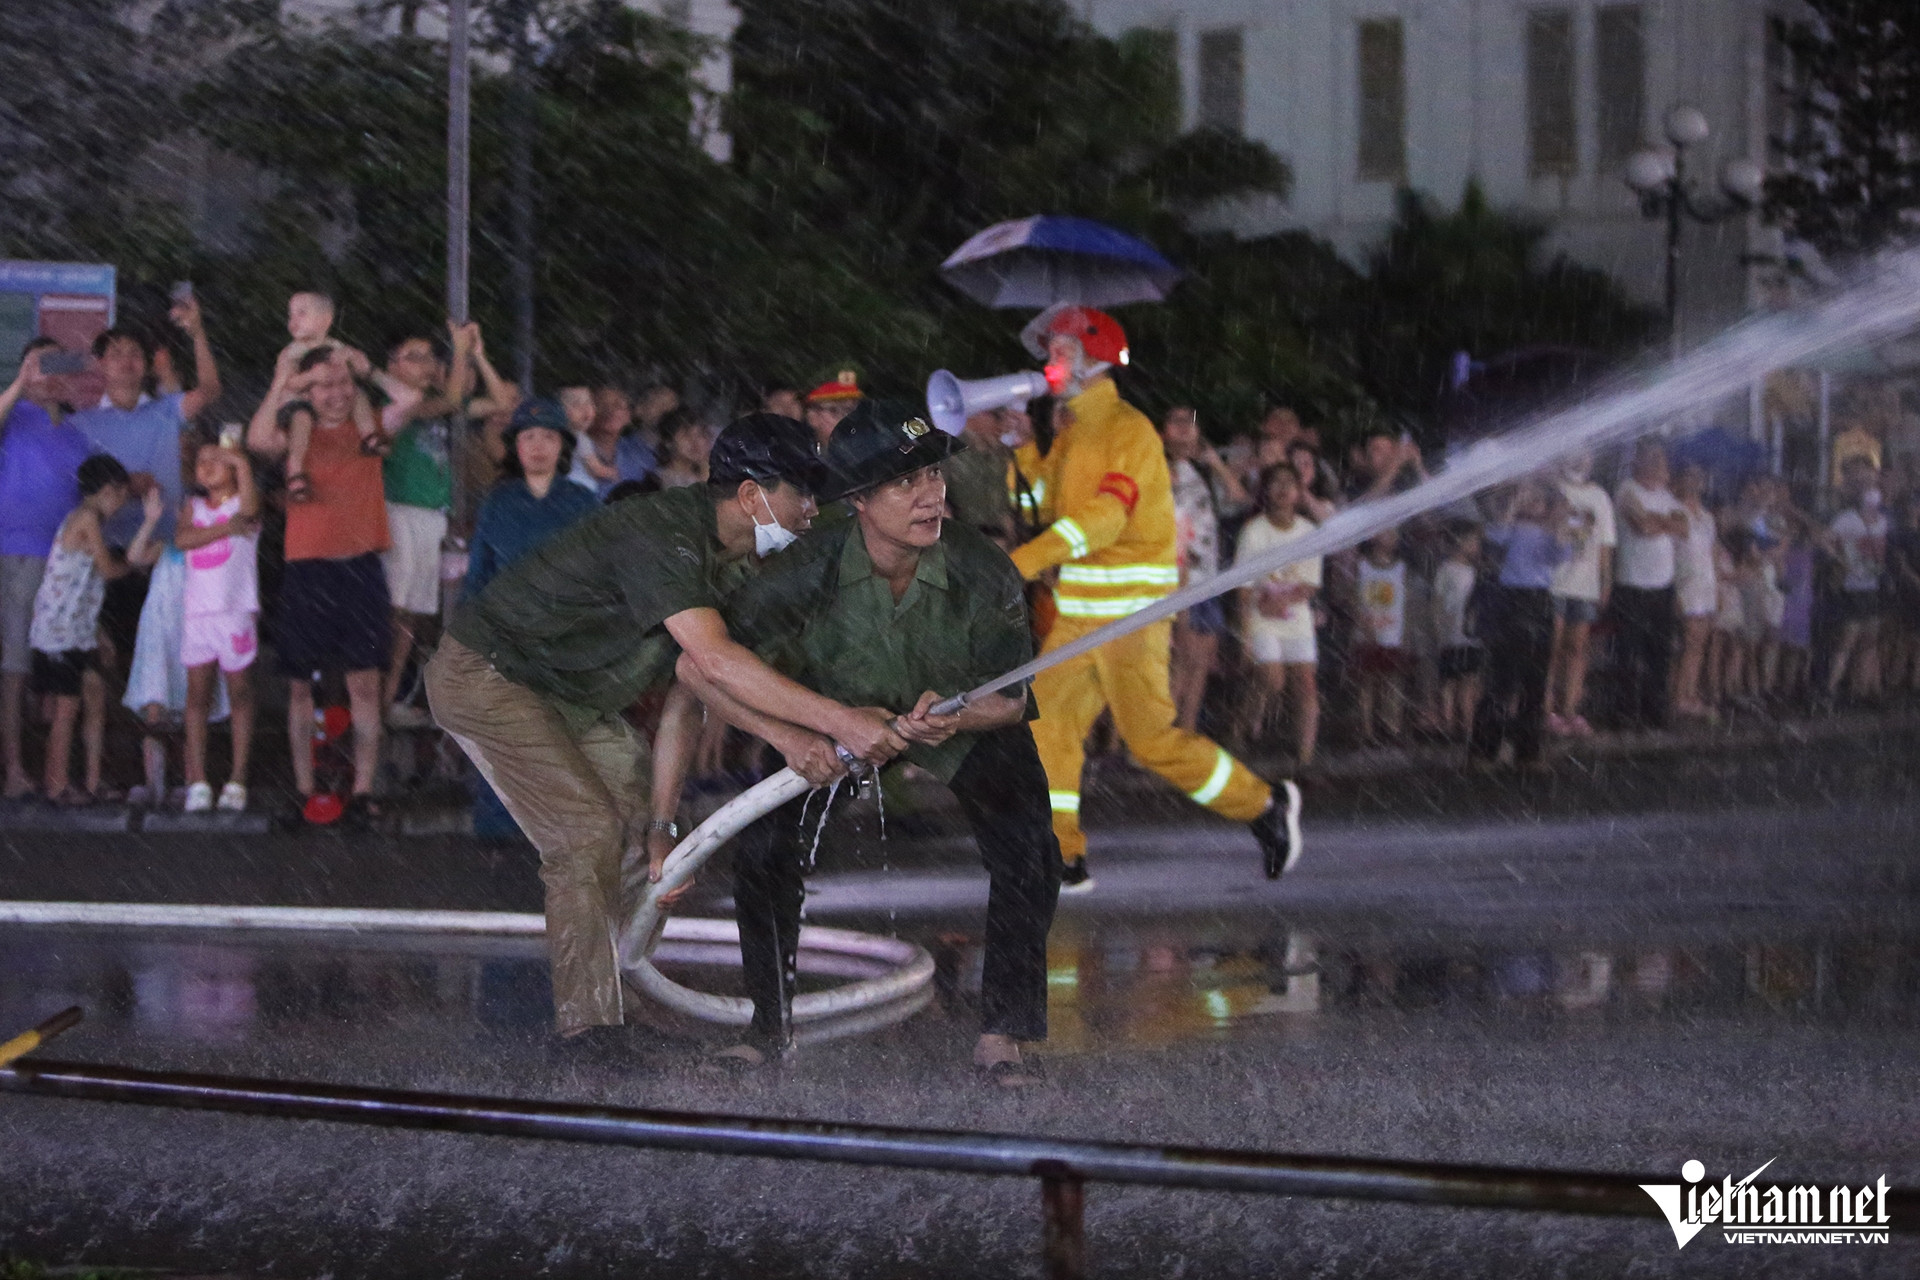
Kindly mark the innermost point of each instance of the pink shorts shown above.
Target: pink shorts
(226, 638)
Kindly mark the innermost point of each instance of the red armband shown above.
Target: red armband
(1121, 486)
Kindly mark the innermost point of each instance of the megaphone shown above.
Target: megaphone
(950, 401)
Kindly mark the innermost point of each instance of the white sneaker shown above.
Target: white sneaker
(1076, 879)
(402, 715)
(233, 798)
(199, 798)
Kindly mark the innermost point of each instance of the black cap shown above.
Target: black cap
(767, 447)
(879, 441)
(539, 412)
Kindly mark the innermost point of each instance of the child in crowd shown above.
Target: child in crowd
(66, 619)
(1697, 592)
(309, 321)
(1796, 611)
(1277, 613)
(1538, 533)
(1580, 587)
(1765, 605)
(1728, 652)
(1461, 654)
(218, 531)
(587, 467)
(1857, 538)
(1903, 596)
(1380, 657)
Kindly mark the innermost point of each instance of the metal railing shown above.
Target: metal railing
(1063, 1166)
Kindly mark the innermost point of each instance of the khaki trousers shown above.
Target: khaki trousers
(579, 789)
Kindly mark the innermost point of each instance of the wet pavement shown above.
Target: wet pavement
(1543, 985)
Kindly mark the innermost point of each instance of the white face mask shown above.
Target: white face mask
(1870, 500)
(769, 538)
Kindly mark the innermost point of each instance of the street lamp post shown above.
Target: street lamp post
(1659, 175)
(459, 209)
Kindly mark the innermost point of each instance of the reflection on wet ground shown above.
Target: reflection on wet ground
(1112, 986)
(1586, 992)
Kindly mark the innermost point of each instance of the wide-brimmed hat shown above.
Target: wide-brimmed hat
(878, 442)
(537, 414)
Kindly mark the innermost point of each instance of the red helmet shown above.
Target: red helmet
(1100, 335)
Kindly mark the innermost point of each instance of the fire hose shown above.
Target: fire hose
(1884, 306)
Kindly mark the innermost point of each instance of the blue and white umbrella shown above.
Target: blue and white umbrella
(1036, 262)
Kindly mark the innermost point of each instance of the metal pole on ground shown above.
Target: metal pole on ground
(1063, 1165)
(1063, 1240)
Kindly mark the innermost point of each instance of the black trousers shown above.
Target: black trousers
(1643, 622)
(1513, 701)
(1003, 791)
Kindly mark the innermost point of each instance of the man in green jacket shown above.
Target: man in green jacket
(893, 609)
(536, 670)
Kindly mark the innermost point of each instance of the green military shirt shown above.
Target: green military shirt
(820, 614)
(977, 486)
(581, 618)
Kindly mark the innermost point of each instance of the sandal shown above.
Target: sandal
(377, 445)
(1006, 1074)
(363, 811)
(299, 487)
(737, 1061)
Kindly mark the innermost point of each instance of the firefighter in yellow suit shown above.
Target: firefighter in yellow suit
(1109, 499)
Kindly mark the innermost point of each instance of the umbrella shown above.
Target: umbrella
(1036, 262)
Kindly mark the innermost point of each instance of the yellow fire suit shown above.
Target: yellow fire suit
(1109, 498)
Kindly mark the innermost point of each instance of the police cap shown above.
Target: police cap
(878, 442)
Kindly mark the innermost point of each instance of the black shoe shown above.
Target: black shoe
(1074, 877)
(608, 1047)
(1278, 831)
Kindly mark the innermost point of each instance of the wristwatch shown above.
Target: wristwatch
(661, 824)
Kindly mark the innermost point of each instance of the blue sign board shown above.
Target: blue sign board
(57, 277)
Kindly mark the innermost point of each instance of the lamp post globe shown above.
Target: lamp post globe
(1650, 169)
(1687, 125)
(1743, 180)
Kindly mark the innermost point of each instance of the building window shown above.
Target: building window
(1552, 149)
(1383, 101)
(1223, 80)
(1619, 82)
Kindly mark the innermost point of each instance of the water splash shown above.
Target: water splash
(1883, 305)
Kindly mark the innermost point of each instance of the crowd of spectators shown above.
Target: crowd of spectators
(146, 553)
(1557, 608)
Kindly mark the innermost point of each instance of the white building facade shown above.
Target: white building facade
(1540, 101)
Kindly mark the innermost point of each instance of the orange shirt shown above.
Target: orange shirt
(348, 514)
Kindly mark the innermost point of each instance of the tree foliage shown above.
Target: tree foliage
(1853, 137)
(1477, 280)
(871, 137)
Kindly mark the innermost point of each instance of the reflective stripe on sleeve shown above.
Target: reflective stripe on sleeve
(1210, 790)
(1074, 535)
(1121, 574)
(1064, 801)
(1120, 607)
